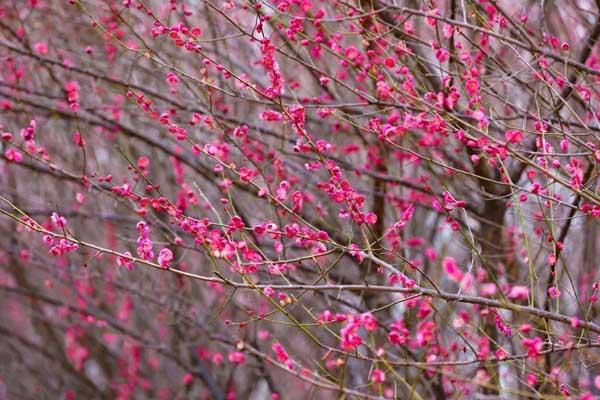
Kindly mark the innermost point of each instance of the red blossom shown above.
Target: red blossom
(369, 198)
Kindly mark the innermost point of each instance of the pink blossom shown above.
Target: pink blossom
(533, 346)
(377, 376)
(237, 357)
(472, 86)
(282, 355)
(41, 48)
(143, 163)
(13, 155)
(58, 220)
(349, 333)
(368, 321)
(513, 136)
(451, 268)
(125, 260)
(519, 292)
(144, 244)
(554, 292)
(187, 379)
(425, 333)
(371, 218)
(271, 116)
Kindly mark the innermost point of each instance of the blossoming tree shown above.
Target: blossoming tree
(290, 199)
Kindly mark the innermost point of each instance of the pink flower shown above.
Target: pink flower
(532, 379)
(500, 354)
(368, 321)
(425, 333)
(237, 357)
(263, 335)
(371, 218)
(513, 136)
(271, 116)
(349, 333)
(144, 244)
(78, 355)
(63, 247)
(59, 221)
(533, 346)
(406, 216)
(377, 376)
(298, 199)
(196, 31)
(269, 292)
(451, 267)
(246, 174)
(325, 317)
(28, 133)
(143, 162)
(505, 329)
(449, 202)
(472, 86)
(487, 289)
(13, 155)
(187, 379)
(442, 55)
(399, 333)
(172, 78)
(519, 292)
(72, 89)
(41, 48)
(355, 252)
(164, 257)
(271, 67)
(282, 355)
(553, 292)
(525, 328)
(352, 53)
(448, 31)
(125, 261)
(217, 358)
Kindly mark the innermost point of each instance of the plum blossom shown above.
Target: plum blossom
(164, 257)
